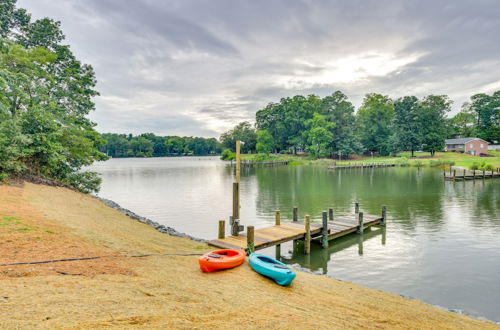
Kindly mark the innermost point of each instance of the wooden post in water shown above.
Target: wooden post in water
(222, 229)
(250, 240)
(295, 213)
(484, 173)
(324, 231)
(330, 214)
(277, 216)
(236, 201)
(454, 174)
(307, 237)
(361, 227)
(356, 207)
(464, 173)
(383, 221)
(238, 160)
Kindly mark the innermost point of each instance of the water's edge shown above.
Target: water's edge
(172, 232)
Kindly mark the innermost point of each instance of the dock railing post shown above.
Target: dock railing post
(222, 229)
(330, 214)
(307, 237)
(324, 231)
(384, 210)
(361, 227)
(277, 216)
(295, 213)
(484, 173)
(464, 174)
(356, 207)
(454, 174)
(250, 240)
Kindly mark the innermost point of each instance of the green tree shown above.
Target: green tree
(45, 97)
(407, 125)
(338, 110)
(318, 135)
(374, 118)
(433, 109)
(487, 109)
(243, 132)
(264, 142)
(463, 124)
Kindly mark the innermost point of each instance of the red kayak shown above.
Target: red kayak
(221, 259)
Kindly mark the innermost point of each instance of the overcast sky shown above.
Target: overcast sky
(194, 67)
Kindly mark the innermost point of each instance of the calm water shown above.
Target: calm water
(441, 244)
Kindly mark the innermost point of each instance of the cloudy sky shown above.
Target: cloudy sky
(198, 67)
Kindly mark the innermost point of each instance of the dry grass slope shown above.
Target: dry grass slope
(40, 222)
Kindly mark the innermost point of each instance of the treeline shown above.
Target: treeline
(45, 97)
(150, 145)
(330, 126)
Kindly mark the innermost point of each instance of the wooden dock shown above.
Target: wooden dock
(462, 174)
(349, 165)
(264, 163)
(299, 230)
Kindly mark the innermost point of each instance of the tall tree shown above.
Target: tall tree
(375, 117)
(265, 142)
(433, 109)
(243, 132)
(338, 110)
(407, 125)
(318, 136)
(487, 109)
(463, 124)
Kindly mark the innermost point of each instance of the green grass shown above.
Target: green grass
(440, 159)
(8, 221)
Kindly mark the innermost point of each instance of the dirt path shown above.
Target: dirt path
(40, 222)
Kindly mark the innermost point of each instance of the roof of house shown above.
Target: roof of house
(460, 141)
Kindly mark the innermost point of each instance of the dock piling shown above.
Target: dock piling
(250, 240)
(324, 231)
(277, 217)
(330, 214)
(356, 207)
(361, 228)
(295, 213)
(384, 210)
(222, 229)
(307, 237)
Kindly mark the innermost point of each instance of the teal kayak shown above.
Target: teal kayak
(271, 268)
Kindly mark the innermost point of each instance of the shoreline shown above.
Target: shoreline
(173, 232)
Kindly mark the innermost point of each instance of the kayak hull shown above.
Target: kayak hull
(221, 259)
(271, 268)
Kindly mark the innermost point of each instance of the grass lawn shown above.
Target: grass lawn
(420, 159)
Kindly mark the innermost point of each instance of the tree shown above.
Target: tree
(338, 110)
(374, 119)
(407, 125)
(487, 109)
(45, 97)
(463, 124)
(433, 109)
(243, 132)
(318, 135)
(264, 142)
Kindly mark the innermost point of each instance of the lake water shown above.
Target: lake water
(441, 244)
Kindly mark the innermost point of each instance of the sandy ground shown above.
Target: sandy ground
(39, 222)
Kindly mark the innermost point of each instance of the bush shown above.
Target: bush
(488, 167)
(227, 154)
(418, 163)
(474, 166)
(85, 182)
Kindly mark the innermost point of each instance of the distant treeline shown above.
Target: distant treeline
(150, 145)
(330, 126)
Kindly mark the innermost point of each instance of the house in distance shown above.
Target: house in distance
(472, 146)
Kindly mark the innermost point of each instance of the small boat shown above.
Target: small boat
(272, 268)
(221, 259)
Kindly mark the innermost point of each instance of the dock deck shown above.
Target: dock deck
(461, 174)
(295, 230)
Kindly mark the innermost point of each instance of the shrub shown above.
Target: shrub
(227, 154)
(474, 166)
(488, 167)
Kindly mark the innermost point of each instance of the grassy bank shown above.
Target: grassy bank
(39, 222)
(420, 159)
